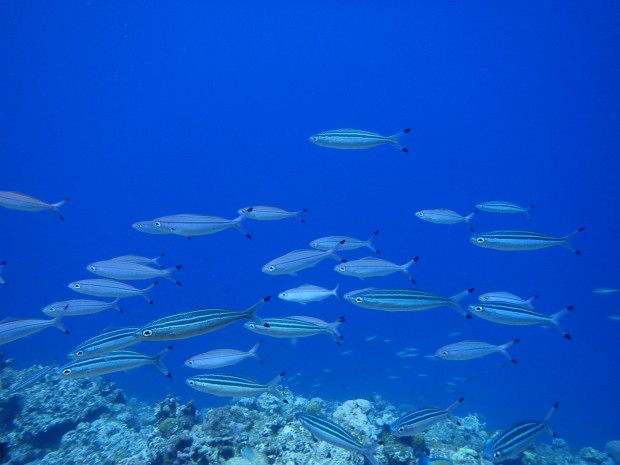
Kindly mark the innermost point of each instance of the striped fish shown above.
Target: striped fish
(75, 307)
(188, 224)
(355, 139)
(514, 440)
(266, 213)
(499, 206)
(235, 386)
(12, 329)
(466, 350)
(119, 360)
(350, 243)
(31, 379)
(298, 260)
(336, 435)
(518, 315)
(2, 281)
(503, 296)
(127, 271)
(405, 300)
(105, 343)
(109, 288)
(444, 216)
(522, 240)
(222, 358)
(18, 201)
(373, 266)
(422, 419)
(196, 322)
(308, 293)
(297, 326)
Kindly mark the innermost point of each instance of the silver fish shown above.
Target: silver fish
(297, 260)
(466, 350)
(77, 307)
(222, 358)
(522, 240)
(2, 281)
(373, 266)
(127, 271)
(336, 435)
(350, 243)
(12, 329)
(597, 291)
(25, 202)
(443, 216)
(499, 206)
(422, 419)
(503, 296)
(105, 343)
(234, 386)
(266, 213)
(119, 360)
(188, 224)
(109, 288)
(31, 379)
(354, 139)
(308, 293)
(297, 326)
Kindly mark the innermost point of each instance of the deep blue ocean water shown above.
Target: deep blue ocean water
(143, 109)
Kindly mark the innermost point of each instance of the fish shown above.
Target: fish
(597, 291)
(499, 206)
(422, 419)
(222, 358)
(466, 350)
(196, 322)
(523, 240)
(225, 385)
(188, 224)
(424, 460)
(373, 266)
(405, 300)
(2, 281)
(266, 213)
(355, 139)
(77, 307)
(128, 271)
(308, 293)
(106, 342)
(300, 259)
(511, 442)
(139, 259)
(110, 288)
(18, 201)
(336, 435)
(297, 326)
(503, 296)
(119, 360)
(350, 243)
(12, 329)
(518, 315)
(444, 216)
(31, 379)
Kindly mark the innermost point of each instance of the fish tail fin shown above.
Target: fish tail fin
(555, 320)
(332, 252)
(394, 140)
(157, 361)
(237, 223)
(332, 330)
(455, 299)
(299, 215)
(114, 305)
(451, 410)
(405, 268)
(168, 274)
(531, 299)
(145, 292)
(335, 291)
(471, 215)
(156, 259)
(369, 243)
(56, 323)
(527, 212)
(369, 452)
(57, 205)
(548, 418)
(253, 351)
(273, 387)
(251, 311)
(504, 349)
(566, 240)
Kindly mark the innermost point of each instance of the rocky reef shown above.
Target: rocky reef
(71, 422)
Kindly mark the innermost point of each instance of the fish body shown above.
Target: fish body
(188, 225)
(308, 293)
(355, 139)
(405, 300)
(222, 358)
(296, 326)
(127, 271)
(511, 442)
(301, 259)
(422, 419)
(25, 202)
(234, 386)
(467, 350)
(444, 216)
(522, 240)
(373, 266)
(336, 435)
(597, 291)
(12, 329)
(267, 213)
(105, 343)
(75, 307)
(503, 296)
(517, 315)
(2, 281)
(499, 206)
(139, 259)
(119, 360)
(110, 288)
(350, 243)
(196, 322)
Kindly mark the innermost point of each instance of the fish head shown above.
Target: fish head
(477, 309)
(340, 268)
(441, 353)
(270, 269)
(400, 431)
(189, 363)
(477, 240)
(251, 325)
(92, 268)
(314, 244)
(149, 227)
(245, 210)
(420, 214)
(75, 285)
(283, 295)
(315, 139)
(493, 455)
(53, 310)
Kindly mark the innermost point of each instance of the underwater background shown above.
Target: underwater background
(135, 110)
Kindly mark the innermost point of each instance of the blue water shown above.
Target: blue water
(140, 110)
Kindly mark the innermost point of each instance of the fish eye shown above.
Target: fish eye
(147, 333)
(76, 286)
(190, 382)
(251, 325)
(91, 268)
(445, 353)
(79, 353)
(401, 429)
(478, 308)
(420, 214)
(283, 294)
(359, 299)
(314, 244)
(51, 309)
(66, 371)
(486, 297)
(271, 268)
(497, 454)
(157, 223)
(315, 138)
(479, 240)
(342, 268)
(190, 362)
